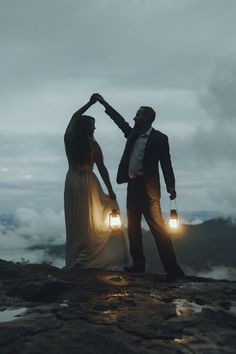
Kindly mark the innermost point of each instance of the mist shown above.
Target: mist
(29, 235)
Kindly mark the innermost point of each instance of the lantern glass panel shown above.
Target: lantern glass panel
(173, 220)
(173, 223)
(115, 220)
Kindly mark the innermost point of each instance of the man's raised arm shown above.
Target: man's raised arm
(115, 116)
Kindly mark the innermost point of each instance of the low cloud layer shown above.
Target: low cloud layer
(219, 272)
(33, 228)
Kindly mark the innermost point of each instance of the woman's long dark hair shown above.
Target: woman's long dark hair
(78, 148)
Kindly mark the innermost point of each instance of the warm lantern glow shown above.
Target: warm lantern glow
(173, 220)
(173, 223)
(115, 219)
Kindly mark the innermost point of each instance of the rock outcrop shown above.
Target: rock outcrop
(96, 311)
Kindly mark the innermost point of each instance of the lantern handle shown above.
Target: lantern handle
(173, 201)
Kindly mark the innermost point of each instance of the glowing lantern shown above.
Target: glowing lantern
(173, 219)
(115, 220)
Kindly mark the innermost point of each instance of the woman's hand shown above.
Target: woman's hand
(94, 98)
(100, 99)
(112, 195)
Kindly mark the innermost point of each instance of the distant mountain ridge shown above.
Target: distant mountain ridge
(197, 246)
(188, 216)
(211, 243)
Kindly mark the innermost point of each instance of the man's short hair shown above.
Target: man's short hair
(149, 112)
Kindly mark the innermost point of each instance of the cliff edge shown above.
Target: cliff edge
(52, 310)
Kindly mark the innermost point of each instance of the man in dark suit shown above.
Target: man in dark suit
(145, 148)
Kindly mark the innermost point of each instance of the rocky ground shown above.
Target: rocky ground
(91, 311)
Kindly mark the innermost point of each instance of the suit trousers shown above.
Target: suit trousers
(139, 203)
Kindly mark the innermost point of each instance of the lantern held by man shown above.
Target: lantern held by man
(173, 219)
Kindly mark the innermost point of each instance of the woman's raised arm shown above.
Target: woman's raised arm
(93, 99)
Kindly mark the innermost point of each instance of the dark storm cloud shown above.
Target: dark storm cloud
(177, 56)
(209, 162)
(129, 43)
(33, 168)
(219, 95)
(47, 150)
(207, 147)
(213, 143)
(28, 145)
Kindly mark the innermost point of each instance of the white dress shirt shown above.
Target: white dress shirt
(137, 154)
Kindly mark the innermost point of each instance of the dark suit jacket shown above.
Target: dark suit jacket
(156, 150)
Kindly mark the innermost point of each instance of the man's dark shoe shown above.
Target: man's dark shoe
(171, 277)
(135, 269)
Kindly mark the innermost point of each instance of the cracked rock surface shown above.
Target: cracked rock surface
(96, 311)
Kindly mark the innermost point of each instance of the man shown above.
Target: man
(145, 148)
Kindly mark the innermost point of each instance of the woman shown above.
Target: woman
(89, 239)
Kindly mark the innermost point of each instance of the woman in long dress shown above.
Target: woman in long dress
(89, 240)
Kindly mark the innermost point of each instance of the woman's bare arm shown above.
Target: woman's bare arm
(92, 100)
(98, 159)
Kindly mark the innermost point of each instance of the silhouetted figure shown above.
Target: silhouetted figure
(145, 148)
(89, 239)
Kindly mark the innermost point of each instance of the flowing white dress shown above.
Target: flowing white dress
(89, 240)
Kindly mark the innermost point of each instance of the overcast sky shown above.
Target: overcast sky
(177, 56)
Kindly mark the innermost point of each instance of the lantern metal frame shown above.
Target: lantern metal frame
(173, 216)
